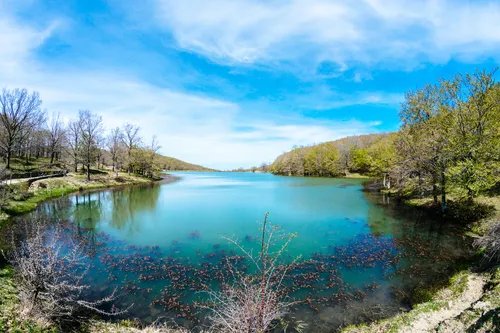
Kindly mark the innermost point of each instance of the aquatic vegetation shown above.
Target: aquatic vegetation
(194, 234)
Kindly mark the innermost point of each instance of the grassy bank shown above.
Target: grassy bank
(23, 198)
(356, 176)
(470, 303)
(466, 302)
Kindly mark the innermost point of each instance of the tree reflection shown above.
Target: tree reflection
(129, 203)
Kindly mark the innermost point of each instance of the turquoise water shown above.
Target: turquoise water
(144, 240)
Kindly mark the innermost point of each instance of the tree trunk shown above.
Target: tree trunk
(435, 188)
(88, 172)
(8, 157)
(129, 164)
(51, 158)
(443, 191)
(471, 194)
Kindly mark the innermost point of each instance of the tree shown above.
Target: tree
(55, 133)
(423, 143)
(91, 129)
(155, 147)
(475, 101)
(100, 147)
(74, 141)
(131, 140)
(115, 139)
(19, 112)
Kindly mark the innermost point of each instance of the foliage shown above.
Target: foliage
(449, 142)
(450, 133)
(367, 154)
(173, 164)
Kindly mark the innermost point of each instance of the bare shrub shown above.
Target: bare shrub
(254, 303)
(49, 271)
(490, 243)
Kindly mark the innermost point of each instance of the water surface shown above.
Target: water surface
(360, 254)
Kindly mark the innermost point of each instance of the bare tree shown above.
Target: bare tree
(19, 110)
(49, 272)
(155, 147)
(74, 133)
(91, 129)
(100, 147)
(56, 134)
(115, 139)
(131, 139)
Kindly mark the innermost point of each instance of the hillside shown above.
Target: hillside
(337, 158)
(174, 164)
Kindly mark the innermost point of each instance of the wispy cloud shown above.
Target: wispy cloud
(302, 34)
(324, 98)
(193, 127)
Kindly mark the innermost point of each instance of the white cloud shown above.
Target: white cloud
(194, 128)
(304, 33)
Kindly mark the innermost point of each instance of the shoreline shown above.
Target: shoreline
(436, 309)
(70, 186)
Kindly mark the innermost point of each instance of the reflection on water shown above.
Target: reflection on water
(361, 254)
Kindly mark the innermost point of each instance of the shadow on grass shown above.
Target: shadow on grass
(460, 211)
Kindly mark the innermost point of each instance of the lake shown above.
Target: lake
(361, 254)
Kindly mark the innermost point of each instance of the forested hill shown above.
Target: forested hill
(448, 142)
(371, 154)
(171, 164)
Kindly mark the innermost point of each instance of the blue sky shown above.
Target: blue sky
(237, 82)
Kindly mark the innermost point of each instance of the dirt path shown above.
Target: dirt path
(428, 322)
(15, 181)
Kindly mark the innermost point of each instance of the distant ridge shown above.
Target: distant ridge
(352, 154)
(174, 164)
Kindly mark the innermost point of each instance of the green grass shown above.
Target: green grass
(23, 201)
(20, 165)
(7, 297)
(459, 211)
(19, 207)
(9, 318)
(357, 176)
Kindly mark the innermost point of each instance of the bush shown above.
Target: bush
(255, 304)
(49, 279)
